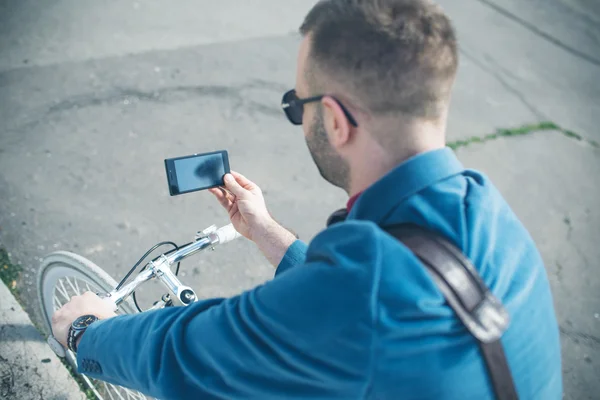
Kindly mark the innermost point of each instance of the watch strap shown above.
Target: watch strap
(76, 329)
(72, 339)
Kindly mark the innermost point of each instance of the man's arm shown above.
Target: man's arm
(248, 212)
(275, 241)
(294, 335)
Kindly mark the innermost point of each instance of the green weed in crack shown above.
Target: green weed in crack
(521, 131)
(9, 273)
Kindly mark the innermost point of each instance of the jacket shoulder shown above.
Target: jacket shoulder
(353, 240)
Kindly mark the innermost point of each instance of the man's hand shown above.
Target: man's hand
(245, 204)
(247, 210)
(87, 303)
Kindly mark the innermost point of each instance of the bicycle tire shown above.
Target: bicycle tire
(61, 264)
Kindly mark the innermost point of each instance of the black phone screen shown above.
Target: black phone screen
(196, 172)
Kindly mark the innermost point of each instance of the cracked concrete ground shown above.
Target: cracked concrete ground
(93, 98)
(29, 370)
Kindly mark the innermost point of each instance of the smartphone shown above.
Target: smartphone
(196, 172)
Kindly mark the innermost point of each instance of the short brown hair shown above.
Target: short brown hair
(393, 56)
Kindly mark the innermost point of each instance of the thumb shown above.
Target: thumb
(234, 187)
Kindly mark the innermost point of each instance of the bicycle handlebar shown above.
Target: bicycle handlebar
(161, 267)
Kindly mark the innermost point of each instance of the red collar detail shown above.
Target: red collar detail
(352, 200)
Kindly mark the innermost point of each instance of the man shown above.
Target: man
(355, 314)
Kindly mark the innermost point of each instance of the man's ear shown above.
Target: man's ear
(336, 124)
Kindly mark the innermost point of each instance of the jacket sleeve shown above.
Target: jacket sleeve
(278, 339)
(294, 256)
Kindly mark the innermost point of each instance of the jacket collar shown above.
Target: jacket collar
(408, 178)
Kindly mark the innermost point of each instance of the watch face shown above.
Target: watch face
(84, 321)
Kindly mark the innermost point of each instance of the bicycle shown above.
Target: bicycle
(64, 274)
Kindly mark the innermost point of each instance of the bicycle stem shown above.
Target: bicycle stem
(116, 297)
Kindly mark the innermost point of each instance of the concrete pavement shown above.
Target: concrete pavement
(93, 98)
(29, 370)
(541, 181)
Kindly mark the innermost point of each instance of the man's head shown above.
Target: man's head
(390, 63)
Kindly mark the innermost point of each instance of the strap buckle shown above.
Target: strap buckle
(489, 320)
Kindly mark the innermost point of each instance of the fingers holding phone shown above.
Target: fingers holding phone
(248, 212)
(244, 202)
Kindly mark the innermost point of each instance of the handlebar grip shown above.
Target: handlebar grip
(227, 234)
(108, 300)
(111, 303)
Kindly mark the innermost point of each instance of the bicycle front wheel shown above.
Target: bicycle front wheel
(63, 275)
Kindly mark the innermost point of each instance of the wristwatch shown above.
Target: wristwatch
(77, 328)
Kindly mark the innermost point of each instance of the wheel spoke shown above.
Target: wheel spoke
(58, 295)
(108, 390)
(112, 390)
(91, 383)
(72, 287)
(65, 297)
(65, 291)
(77, 285)
(117, 390)
(61, 289)
(132, 395)
(56, 303)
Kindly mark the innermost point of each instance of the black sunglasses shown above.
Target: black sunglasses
(294, 107)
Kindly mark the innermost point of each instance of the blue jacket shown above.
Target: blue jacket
(353, 315)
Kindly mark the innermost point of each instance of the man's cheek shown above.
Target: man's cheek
(306, 128)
